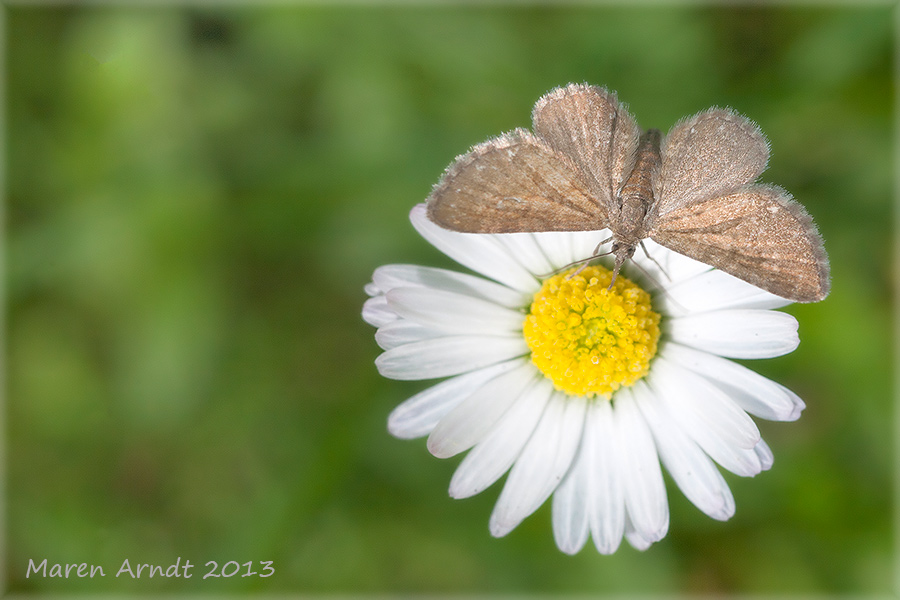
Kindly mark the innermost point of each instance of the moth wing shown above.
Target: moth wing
(758, 234)
(589, 125)
(710, 154)
(514, 183)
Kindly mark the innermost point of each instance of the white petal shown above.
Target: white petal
(527, 252)
(716, 290)
(752, 392)
(557, 247)
(589, 500)
(636, 539)
(697, 399)
(377, 313)
(542, 464)
(418, 415)
(644, 490)
(403, 332)
(739, 461)
(708, 416)
(606, 501)
(766, 458)
(571, 520)
(472, 419)
(389, 277)
(563, 248)
(481, 253)
(453, 312)
(496, 453)
(445, 356)
(676, 267)
(372, 290)
(584, 244)
(798, 403)
(738, 333)
(693, 471)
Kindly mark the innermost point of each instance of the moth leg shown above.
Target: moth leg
(584, 261)
(596, 251)
(655, 262)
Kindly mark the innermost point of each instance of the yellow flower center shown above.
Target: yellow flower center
(590, 340)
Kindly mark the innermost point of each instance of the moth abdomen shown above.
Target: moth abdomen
(636, 196)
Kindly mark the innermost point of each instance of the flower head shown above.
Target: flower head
(577, 389)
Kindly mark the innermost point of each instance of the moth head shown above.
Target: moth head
(622, 250)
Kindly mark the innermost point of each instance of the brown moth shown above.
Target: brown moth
(588, 166)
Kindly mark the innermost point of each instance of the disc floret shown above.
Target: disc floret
(590, 339)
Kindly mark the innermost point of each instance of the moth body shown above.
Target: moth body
(588, 166)
(634, 199)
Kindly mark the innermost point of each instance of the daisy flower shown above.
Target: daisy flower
(580, 392)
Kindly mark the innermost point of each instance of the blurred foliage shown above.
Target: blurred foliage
(196, 197)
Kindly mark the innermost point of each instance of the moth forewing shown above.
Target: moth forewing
(758, 234)
(589, 125)
(514, 183)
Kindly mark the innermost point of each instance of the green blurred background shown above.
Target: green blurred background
(196, 197)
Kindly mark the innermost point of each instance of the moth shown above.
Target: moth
(588, 166)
